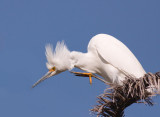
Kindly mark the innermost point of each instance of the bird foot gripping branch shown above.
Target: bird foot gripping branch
(90, 75)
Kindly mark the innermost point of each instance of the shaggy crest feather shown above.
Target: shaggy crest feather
(60, 57)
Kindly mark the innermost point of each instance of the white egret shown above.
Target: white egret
(106, 56)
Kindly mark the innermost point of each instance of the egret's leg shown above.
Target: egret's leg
(90, 77)
(84, 75)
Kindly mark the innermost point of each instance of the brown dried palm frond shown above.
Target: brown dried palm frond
(117, 98)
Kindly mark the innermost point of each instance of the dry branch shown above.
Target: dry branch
(117, 98)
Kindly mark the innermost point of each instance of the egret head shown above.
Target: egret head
(57, 61)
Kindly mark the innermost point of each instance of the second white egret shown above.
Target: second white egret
(106, 56)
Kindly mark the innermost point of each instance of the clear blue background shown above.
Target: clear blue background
(27, 25)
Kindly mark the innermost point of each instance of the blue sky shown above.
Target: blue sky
(26, 26)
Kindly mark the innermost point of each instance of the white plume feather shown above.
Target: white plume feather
(60, 57)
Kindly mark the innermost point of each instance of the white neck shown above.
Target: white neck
(82, 61)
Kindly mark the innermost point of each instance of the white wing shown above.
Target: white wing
(117, 54)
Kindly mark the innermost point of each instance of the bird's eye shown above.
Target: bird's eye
(52, 69)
